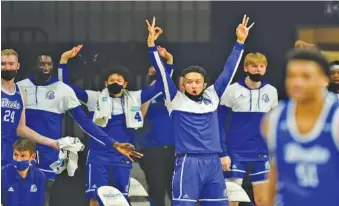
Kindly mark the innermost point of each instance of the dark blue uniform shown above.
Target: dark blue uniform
(16, 191)
(11, 109)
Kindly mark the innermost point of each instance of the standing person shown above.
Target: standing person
(303, 136)
(158, 144)
(47, 101)
(198, 172)
(22, 184)
(13, 118)
(121, 118)
(245, 102)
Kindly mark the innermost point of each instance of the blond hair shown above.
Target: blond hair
(8, 52)
(255, 58)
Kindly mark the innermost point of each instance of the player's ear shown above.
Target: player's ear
(18, 66)
(125, 85)
(245, 69)
(32, 157)
(205, 85)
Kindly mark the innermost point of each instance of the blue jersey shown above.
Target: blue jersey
(45, 109)
(11, 109)
(16, 191)
(307, 164)
(245, 107)
(195, 124)
(116, 126)
(160, 126)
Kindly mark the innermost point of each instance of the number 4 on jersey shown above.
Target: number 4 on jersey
(138, 117)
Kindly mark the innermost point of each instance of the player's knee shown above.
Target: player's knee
(93, 202)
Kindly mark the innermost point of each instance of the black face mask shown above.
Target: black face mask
(254, 77)
(8, 75)
(41, 77)
(333, 87)
(114, 88)
(195, 98)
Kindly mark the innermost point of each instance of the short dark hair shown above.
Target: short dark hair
(116, 69)
(310, 54)
(24, 144)
(196, 69)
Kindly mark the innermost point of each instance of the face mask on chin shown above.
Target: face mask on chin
(114, 88)
(41, 77)
(195, 98)
(8, 75)
(254, 77)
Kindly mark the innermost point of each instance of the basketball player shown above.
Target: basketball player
(198, 173)
(245, 102)
(13, 119)
(303, 136)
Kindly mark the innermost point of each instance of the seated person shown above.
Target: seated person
(22, 184)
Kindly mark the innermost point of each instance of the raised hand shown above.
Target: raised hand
(128, 150)
(153, 32)
(165, 54)
(70, 54)
(242, 30)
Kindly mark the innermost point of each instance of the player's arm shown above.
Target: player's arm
(233, 59)
(154, 90)
(72, 105)
(26, 132)
(224, 110)
(63, 74)
(167, 85)
(267, 134)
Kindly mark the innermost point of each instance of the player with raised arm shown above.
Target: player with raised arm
(13, 119)
(198, 173)
(122, 118)
(303, 136)
(47, 101)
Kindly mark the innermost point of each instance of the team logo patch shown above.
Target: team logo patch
(265, 98)
(33, 188)
(50, 95)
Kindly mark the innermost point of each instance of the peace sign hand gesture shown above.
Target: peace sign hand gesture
(153, 33)
(242, 30)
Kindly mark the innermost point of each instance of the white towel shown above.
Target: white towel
(132, 109)
(104, 109)
(68, 155)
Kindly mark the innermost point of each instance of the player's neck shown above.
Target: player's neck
(310, 108)
(252, 84)
(8, 86)
(24, 173)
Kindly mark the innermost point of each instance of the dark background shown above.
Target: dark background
(196, 33)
